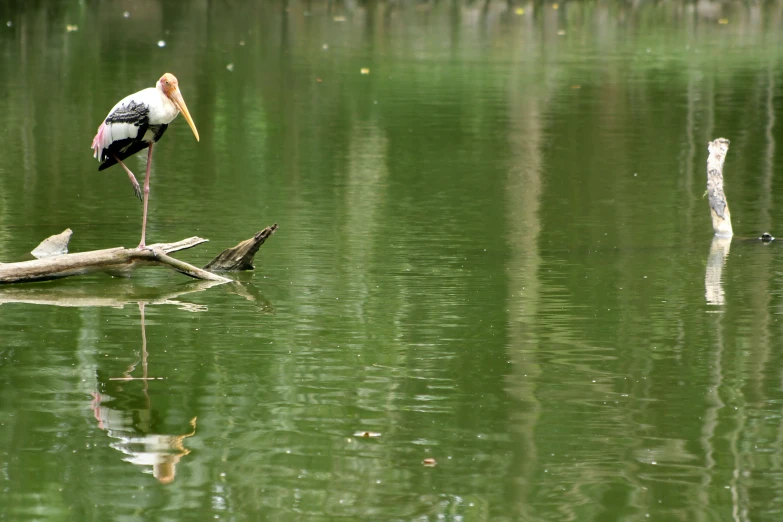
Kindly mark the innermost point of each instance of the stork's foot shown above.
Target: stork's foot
(137, 189)
(132, 178)
(148, 248)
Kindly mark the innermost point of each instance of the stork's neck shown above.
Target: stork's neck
(164, 111)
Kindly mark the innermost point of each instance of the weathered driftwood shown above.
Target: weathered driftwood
(719, 208)
(241, 256)
(112, 259)
(54, 263)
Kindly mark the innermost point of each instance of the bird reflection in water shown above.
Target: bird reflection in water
(127, 417)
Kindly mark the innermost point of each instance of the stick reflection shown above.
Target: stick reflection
(713, 274)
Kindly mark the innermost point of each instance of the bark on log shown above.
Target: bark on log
(719, 208)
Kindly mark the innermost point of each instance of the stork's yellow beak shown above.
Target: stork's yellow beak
(176, 97)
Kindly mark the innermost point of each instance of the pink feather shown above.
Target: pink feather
(97, 142)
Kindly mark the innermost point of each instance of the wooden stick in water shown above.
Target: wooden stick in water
(719, 207)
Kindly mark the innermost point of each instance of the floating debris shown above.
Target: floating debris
(555, 6)
(561, 32)
(766, 237)
(325, 47)
(577, 87)
(339, 19)
(230, 67)
(364, 70)
(723, 21)
(430, 462)
(161, 43)
(519, 11)
(241, 43)
(9, 23)
(71, 28)
(319, 80)
(367, 434)
(126, 14)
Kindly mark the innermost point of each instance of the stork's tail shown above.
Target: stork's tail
(97, 142)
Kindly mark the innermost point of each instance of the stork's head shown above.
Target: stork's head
(170, 86)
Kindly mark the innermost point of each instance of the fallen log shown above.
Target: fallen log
(54, 263)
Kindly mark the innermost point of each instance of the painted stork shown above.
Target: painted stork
(136, 123)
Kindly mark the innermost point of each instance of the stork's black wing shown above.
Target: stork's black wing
(129, 124)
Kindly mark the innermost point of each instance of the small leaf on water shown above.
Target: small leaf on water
(520, 11)
(429, 462)
(364, 70)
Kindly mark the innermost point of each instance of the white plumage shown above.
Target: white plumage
(159, 109)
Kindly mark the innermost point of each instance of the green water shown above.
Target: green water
(493, 252)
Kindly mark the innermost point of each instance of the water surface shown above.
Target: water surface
(493, 252)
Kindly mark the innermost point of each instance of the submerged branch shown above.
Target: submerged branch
(241, 256)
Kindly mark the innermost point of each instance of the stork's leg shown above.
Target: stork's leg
(146, 197)
(133, 181)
